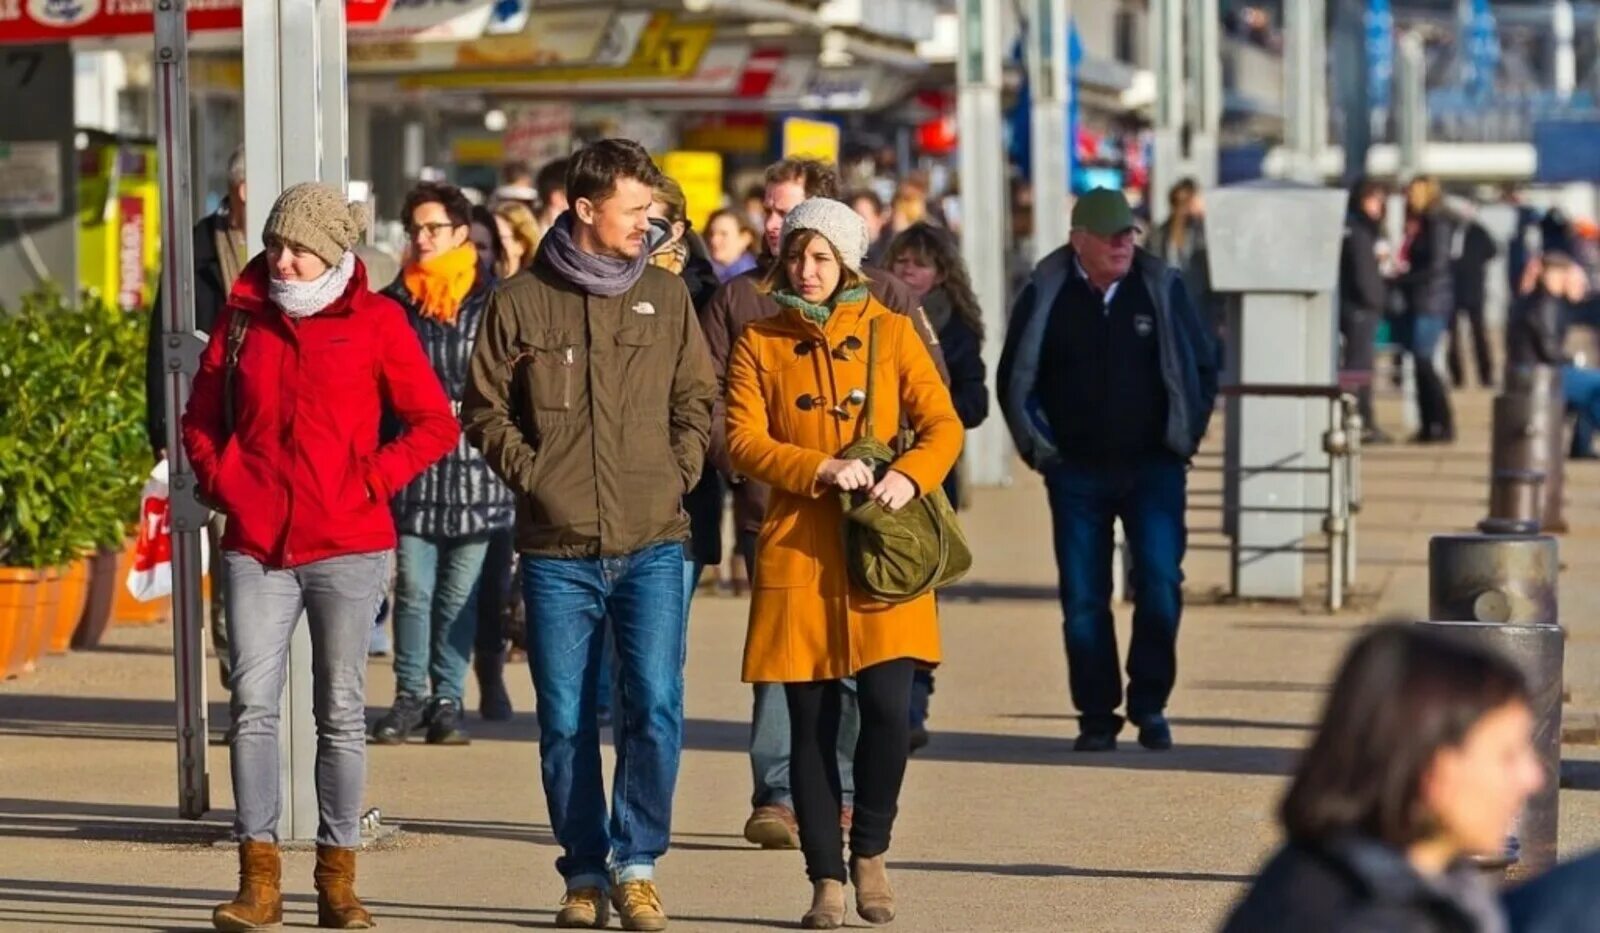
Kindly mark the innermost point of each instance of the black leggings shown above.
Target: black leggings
(884, 694)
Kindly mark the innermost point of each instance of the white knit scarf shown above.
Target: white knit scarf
(303, 299)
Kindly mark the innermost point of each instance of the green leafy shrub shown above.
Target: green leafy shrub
(73, 455)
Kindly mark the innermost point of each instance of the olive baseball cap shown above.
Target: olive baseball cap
(1103, 212)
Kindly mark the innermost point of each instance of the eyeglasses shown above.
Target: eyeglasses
(432, 230)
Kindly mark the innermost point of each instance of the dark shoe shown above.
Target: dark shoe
(259, 903)
(1374, 437)
(584, 909)
(874, 897)
(1155, 734)
(494, 703)
(338, 908)
(1095, 742)
(402, 719)
(444, 726)
(602, 718)
(773, 826)
(919, 738)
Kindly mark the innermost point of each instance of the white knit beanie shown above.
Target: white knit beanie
(835, 220)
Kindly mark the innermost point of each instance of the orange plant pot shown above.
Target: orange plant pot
(74, 593)
(129, 611)
(19, 594)
(44, 615)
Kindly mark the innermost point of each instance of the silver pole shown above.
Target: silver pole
(983, 203)
(1048, 66)
(1412, 115)
(295, 131)
(1205, 79)
(180, 357)
(1166, 45)
(1566, 63)
(1303, 35)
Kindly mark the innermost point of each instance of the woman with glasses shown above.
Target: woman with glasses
(448, 516)
(797, 392)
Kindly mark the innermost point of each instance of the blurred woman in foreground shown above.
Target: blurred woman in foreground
(1424, 758)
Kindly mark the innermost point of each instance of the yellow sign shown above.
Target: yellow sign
(700, 176)
(666, 49)
(810, 139)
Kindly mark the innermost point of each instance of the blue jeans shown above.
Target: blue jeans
(1581, 387)
(607, 690)
(570, 602)
(1084, 501)
(436, 613)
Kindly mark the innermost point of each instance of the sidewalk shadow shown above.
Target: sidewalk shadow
(107, 718)
(1070, 871)
(540, 834)
(98, 822)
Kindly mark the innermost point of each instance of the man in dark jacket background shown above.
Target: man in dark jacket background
(1363, 297)
(590, 395)
(1107, 383)
(1471, 251)
(735, 305)
(220, 254)
(1537, 335)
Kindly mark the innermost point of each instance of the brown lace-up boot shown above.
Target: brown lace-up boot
(338, 908)
(259, 903)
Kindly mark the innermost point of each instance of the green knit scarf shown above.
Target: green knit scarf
(820, 313)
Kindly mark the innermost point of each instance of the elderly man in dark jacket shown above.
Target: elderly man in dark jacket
(1107, 383)
(734, 307)
(1363, 297)
(220, 254)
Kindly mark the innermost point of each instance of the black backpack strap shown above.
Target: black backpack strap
(238, 323)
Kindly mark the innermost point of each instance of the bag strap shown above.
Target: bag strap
(238, 323)
(872, 372)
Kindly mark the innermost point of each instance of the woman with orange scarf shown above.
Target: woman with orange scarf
(448, 515)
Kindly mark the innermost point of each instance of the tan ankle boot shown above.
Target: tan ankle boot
(874, 898)
(259, 903)
(827, 906)
(338, 908)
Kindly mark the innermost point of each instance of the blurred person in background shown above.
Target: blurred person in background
(519, 235)
(551, 187)
(1537, 335)
(1427, 296)
(1423, 760)
(869, 207)
(1471, 251)
(283, 432)
(731, 241)
(447, 515)
(1363, 297)
(1181, 241)
(928, 260)
(220, 254)
(735, 306)
(1524, 244)
(516, 185)
(754, 205)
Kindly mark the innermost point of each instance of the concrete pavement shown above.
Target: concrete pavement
(1002, 828)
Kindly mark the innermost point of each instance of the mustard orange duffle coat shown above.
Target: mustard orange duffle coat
(786, 375)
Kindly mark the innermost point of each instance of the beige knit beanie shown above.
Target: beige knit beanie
(316, 217)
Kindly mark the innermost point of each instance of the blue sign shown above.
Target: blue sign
(1380, 54)
(1480, 43)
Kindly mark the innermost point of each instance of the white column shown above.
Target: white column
(295, 131)
(1048, 65)
(1167, 61)
(983, 207)
(1411, 114)
(1566, 63)
(1304, 104)
(1205, 82)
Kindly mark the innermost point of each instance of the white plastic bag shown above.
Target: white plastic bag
(150, 577)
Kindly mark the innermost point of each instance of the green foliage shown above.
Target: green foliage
(73, 455)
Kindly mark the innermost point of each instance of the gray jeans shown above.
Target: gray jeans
(339, 597)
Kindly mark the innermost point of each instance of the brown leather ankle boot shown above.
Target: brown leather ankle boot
(338, 908)
(259, 903)
(874, 897)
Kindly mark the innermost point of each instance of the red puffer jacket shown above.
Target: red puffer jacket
(303, 478)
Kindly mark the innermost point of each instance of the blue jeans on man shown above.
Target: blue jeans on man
(436, 614)
(573, 600)
(1084, 502)
(1581, 387)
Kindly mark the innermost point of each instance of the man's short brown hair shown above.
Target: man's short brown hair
(820, 179)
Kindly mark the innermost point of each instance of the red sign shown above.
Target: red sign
(60, 20)
(130, 253)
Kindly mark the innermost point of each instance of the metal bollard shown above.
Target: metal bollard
(1543, 384)
(1501, 593)
(1519, 463)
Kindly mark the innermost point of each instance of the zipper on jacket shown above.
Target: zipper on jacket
(566, 379)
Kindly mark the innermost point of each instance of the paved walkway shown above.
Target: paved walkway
(1002, 827)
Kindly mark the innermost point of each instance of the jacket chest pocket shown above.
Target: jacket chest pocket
(641, 352)
(548, 375)
(340, 361)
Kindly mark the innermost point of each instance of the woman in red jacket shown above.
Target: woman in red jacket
(282, 429)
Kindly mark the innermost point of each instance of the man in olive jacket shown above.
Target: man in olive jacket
(590, 395)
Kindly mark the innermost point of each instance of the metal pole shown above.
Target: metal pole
(295, 130)
(983, 201)
(1048, 65)
(1303, 35)
(1205, 82)
(180, 356)
(1350, 78)
(1412, 116)
(1566, 63)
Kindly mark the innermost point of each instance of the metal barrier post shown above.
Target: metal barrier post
(1501, 591)
(1336, 445)
(1525, 452)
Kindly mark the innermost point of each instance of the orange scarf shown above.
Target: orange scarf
(440, 284)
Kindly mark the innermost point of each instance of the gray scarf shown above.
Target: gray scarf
(604, 276)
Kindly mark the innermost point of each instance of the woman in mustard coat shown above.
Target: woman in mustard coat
(796, 393)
